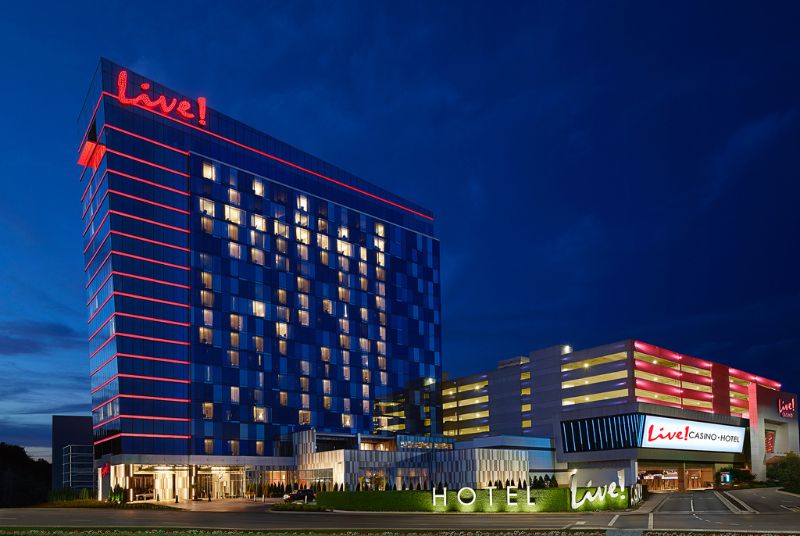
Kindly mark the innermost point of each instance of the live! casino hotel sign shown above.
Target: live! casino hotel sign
(182, 109)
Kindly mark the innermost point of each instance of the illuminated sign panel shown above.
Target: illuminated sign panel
(786, 408)
(679, 434)
(183, 109)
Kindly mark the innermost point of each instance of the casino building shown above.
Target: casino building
(668, 420)
(237, 290)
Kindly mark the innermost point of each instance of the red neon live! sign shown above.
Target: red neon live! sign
(183, 109)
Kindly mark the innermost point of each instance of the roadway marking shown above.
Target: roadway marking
(728, 504)
(691, 502)
(736, 499)
(650, 520)
(613, 520)
(580, 522)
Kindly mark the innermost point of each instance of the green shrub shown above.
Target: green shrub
(786, 472)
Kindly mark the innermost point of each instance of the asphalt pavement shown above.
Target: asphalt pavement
(759, 510)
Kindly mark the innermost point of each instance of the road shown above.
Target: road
(760, 510)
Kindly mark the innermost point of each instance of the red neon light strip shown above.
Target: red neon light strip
(153, 339)
(99, 248)
(100, 308)
(154, 142)
(143, 397)
(143, 200)
(151, 280)
(150, 241)
(148, 298)
(145, 181)
(136, 377)
(143, 417)
(142, 357)
(89, 223)
(137, 317)
(145, 259)
(156, 436)
(145, 220)
(282, 161)
(147, 162)
(108, 340)
(91, 199)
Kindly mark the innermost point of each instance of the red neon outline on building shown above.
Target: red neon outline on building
(149, 240)
(136, 377)
(145, 181)
(146, 220)
(147, 162)
(143, 417)
(156, 436)
(134, 356)
(147, 201)
(143, 138)
(143, 397)
(145, 259)
(278, 159)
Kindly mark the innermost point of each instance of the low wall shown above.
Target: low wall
(541, 500)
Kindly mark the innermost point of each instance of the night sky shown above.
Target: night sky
(598, 170)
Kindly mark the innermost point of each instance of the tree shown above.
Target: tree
(553, 481)
(22, 481)
(786, 472)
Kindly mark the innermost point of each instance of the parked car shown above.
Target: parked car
(301, 495)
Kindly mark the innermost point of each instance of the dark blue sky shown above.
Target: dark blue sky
(598, 170)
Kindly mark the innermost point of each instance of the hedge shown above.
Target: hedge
(544, 500)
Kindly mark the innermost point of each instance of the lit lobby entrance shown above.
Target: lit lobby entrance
(676, 478)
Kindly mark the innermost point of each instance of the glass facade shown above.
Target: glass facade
(239, 289)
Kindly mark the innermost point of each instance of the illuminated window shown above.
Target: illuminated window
(327, 306)
(258, 187)
(365, 376)
(283, 398)
(346, 373)
(258, 343)
(347, 421)
(379, 244)
(259, 448)
(208, 410)
(304, 417)
(525, 376)
(526, 407)
(325, 353)
(383, 378)
(258, 222)
(283, 347)
(526, 423)
(233, 215)
(233, 446)
(257, 256)
(303, 235)
(344, 248)
(281, 330)
(344, 294)
(302, 203)
(343, 232)
(208, 446)
(206, 279)
(207, 207)
(364, 344)
(473, 401)
(236, 322)
(234, 339)
(365, 407)
(259, 414)
(234, 250)
(233, 358)
(234, 196)
(234, 394)
(258, 308)
(208, 225)
(281, 296)
(302, 252)
(208, 317)
(281, 229)
(304, 384)
(204, 334)
(380, 259)
(209, 172)
(303, 317)
(322, 241)
(379, 229)
(380, 303)
(303, 285)
(207, 298)
(323, 257)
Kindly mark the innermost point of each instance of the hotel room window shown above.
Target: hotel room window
(208, 446)
(259, 414)
(259, 448)
(208, 410)
(304, 417)
(258, 343)
(304, 384)
(283, 347)
(347, 421)
(302, 203)
(206, 207)
(233, 446)
(258, 308)
(343, 232)
(209, 172)
(234, 338)
(325, 353)
(281, 330)
(204, 334)
(233, 358)
(208, 225)
(380, 230)
(302, 235)
(257, 256)
(327, 306)
(234, 394)
(283, 398)
(303, 285)
(208, 317)
(233, 215)
(303, 317)
(234, 250)
(258, 187)
(234, 197)
(365, 406)
(259, 223)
